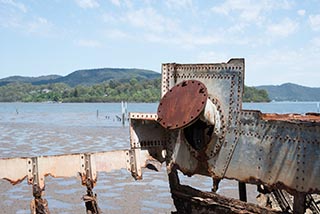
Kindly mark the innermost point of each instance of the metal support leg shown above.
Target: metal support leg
(242, 192)
(299, 203)
(90, 199)
(215, 184)
(174, 181)
(38, 205)
(88, 180)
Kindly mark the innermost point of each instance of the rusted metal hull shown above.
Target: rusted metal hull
(279, 151)
(278, 154)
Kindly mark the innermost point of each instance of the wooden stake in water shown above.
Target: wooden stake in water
(123, 111)
(126, 108)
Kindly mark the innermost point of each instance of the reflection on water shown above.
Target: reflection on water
(34, 129)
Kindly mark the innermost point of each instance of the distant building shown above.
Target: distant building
(46, 90)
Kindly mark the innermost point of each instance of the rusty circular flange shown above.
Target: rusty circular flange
(182, 104)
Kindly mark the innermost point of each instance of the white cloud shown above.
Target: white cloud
(15, 4)
(116, 2)
(87, 3)
(314, 21)
(152, 26)
(9, 21)
(166, 30)
(283, 29)
(184, 40)
(117, 34)
(316, 42)
(87, 43)
(211, 56)
(194, 39)
(17, 17)
(181, 4)
(149, 20)
(301, 12)
(250, 10)
(109, 18)
(283, 65)
(240, 27)
(122, 3)
(40, 26)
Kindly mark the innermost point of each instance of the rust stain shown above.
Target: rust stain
(182, 104)
(309, 117)
(16, 181)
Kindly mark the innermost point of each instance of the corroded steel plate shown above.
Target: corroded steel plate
(309, 117)
(182, 104)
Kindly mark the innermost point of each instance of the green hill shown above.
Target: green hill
(95, 76)
(90, 85)
(86, 77)
(291, 92)
(95, 85)
(32, 80)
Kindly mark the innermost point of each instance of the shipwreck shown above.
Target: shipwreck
(201, 128)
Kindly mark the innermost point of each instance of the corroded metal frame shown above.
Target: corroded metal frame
(277, 151)
(225, 85)
(16, 170)
(280, 152)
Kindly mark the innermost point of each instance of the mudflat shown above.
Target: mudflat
(117, 191)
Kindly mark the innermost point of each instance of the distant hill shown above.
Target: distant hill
(86, 77)
(89, 77)
(291, 92)
(33, 80)
(94, 76)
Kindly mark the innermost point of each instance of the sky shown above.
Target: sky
(279, 39)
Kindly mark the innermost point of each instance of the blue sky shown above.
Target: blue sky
(279, 39)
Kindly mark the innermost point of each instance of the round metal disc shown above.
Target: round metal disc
(182, 104)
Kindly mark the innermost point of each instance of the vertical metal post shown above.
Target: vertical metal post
(299, 203)
(90, 198)
(242, 191)
(136, 171)
(215, 184)
(174, 180)
(38, 205)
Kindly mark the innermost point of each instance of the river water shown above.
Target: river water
(34, 129)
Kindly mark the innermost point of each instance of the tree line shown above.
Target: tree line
(109, 91)
(252, 94)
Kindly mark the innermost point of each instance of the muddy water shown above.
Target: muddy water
(50, 129)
